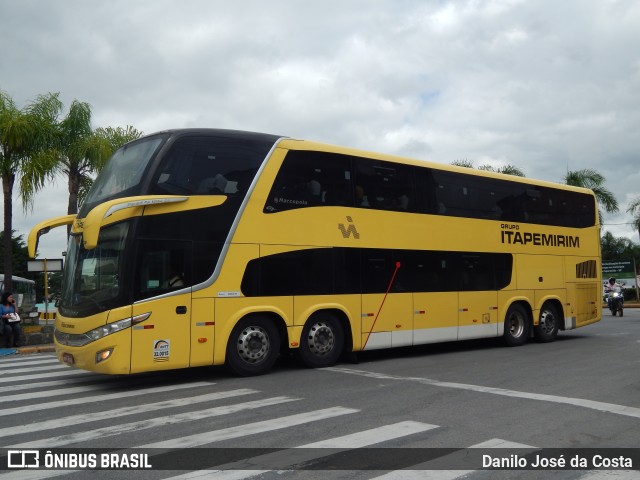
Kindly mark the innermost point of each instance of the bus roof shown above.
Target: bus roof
(16, 278)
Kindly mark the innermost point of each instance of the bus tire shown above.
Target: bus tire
(253, 346)
(548, 324)
(516, 326)
(322, 341)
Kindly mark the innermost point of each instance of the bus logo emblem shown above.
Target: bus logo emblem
(350, 230)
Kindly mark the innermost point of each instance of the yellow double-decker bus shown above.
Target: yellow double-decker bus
(208, 247)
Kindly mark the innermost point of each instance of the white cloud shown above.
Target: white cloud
(546, 86)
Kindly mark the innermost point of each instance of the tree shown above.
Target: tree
(634, 209)
(21, 133)
(591, 179)
(507, 169)
(18, 255)
(74, 151)
(615, 248)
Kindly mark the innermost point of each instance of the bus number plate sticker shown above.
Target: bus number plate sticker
(161, 350)
(68, 358)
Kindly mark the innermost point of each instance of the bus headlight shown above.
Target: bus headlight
(103, 355)
(108, 329)
(82, 339)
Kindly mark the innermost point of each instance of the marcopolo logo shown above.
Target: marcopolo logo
(350, 230)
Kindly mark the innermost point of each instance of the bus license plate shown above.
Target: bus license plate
(67, 358)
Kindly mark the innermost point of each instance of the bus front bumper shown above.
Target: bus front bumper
(109, 355)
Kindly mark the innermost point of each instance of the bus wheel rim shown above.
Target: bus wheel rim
(253, 344)
(321, 339)
(547, 321)
(516, 325)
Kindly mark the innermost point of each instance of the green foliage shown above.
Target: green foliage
(38, 144)
(507, 169)
(616, 248)
(634, 209)
(19, 256)
(593, 180)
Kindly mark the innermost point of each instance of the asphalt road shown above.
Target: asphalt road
(581, 392)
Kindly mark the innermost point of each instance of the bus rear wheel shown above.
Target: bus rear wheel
(253, 347)
(547, 329)
(516, 326)
(322, 341)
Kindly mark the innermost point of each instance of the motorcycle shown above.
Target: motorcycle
(615, 301)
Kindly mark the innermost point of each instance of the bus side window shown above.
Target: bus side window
(162, 266)
(309, 179)
(384, 185)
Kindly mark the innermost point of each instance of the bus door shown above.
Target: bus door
(162, 278)
(478, 299)
(387, 319)
(435, 310)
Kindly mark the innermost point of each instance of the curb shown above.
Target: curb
(35, 349)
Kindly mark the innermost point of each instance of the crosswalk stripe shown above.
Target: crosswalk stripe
(28, 378)
(41, 385)
(41, 368)
(251, 428)
(312, 451)
(612, 475)
(29, 361)
(417, 473)
(164, 421)
(100, 398)
(119, 412)
(47, 394)
(208, 437)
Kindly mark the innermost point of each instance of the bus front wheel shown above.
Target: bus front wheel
(516, 326)
(547, 328)
(322, 341)
(253, 347)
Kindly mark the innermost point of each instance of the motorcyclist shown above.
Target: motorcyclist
(612, 286)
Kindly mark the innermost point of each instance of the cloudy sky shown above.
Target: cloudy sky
(548, 86)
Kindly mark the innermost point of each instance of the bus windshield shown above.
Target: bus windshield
(123, 172)
(92, 278)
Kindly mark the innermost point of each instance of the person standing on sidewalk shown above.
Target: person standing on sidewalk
(10, 320)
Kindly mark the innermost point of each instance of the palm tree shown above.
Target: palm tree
(507, 169)
(76, 152)
(593, 180)
(634, 209)
(21, 131)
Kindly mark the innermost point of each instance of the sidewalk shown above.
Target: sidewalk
(4, 352)
(34, 339)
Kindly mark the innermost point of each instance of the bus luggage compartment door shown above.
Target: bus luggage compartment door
(163, 340)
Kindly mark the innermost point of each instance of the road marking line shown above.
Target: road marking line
(119, 412)
(164, 421)
(291, 456)
(417, 473)
(28, 361)
(251, 428)
(100, 398)
(39, 368)
(52, 383)
(578, 402)
(28, 378)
